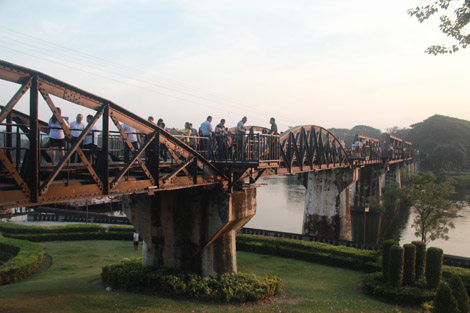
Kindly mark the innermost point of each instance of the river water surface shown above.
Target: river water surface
(280, 207)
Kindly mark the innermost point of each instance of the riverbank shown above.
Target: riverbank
(70, 282)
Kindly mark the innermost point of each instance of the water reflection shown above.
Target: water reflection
(280, 207)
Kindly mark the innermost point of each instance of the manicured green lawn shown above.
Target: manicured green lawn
(72, 284)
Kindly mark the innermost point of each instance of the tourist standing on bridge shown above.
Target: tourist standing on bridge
(240, 131)
(91, 139)
(76, 128)
(273, 130)
(56, 135)
(206, 132)
(133, 138)
(221, 139)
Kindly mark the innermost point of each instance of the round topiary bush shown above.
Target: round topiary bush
(460, 293)
(387, 244)
(409, 273)
(434, 260)
(444, 302)
(235, 287)
(395, 267)
(420, 259)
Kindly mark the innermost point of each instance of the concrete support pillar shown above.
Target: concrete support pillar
(394, 175)
(327, 206)
(191, 229)
(371, 182)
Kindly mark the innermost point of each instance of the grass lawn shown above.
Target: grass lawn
(72, 284)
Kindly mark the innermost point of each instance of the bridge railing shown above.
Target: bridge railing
(237, 147)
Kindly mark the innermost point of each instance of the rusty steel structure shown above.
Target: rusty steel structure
(29, 177)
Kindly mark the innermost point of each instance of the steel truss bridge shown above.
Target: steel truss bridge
(29, 177)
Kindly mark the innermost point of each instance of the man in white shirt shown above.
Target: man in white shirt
(90, 143)
(133, 138)
(76, 128)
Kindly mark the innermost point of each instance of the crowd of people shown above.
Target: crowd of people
(203, 140)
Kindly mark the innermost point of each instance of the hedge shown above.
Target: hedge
(72, 236)
(409, 271)
(459, 293)
(12, 228)
(116, 229)
(317, 252)
(420, 259)
(395, 266)
(375, 285)
(445, 302)
(27, 259)
(463, 273)
(387, 244)
(236, 287)
(434, 260)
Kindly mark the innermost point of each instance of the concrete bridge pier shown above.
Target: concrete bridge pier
(327, 204)
(191, 229)
(394, 175)
(371, 182)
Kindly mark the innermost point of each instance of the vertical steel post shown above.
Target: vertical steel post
(34, 140)
(9, 137)
(105, 151)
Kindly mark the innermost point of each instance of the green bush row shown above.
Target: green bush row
(375, 285)
(72, 236)
(27, 259)
(12, 228)
(463, 273)
(236, 287)
(310, 251)
(125, 229)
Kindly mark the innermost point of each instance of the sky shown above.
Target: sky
(328, 63)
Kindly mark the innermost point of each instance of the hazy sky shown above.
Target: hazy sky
(328, 63)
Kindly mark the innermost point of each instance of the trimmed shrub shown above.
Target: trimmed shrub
(420, 259)
(409, 273)
(460, 294)
(12, 228)
(375, 285)
(124, 229)
(434, 260)
(395, 267)
(317, 252)
(463, 273)
(72, 236)
(131, 275)
(387, 244)
(27, 259)
(444, 302)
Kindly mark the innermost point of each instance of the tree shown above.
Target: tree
(453, 27)
(434, 212)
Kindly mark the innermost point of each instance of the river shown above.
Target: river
(280, 207)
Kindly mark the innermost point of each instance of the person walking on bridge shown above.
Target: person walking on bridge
(56, 135)
(207, 131)
(76, 128)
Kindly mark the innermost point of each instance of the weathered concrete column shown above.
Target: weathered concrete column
(394, 175)
(191, 229)
(327, 205)
(371, 182)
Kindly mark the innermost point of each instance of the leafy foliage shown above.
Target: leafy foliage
(453, 27)
(235, 287)
(443, 142)
(387, 244)
(434, 212)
